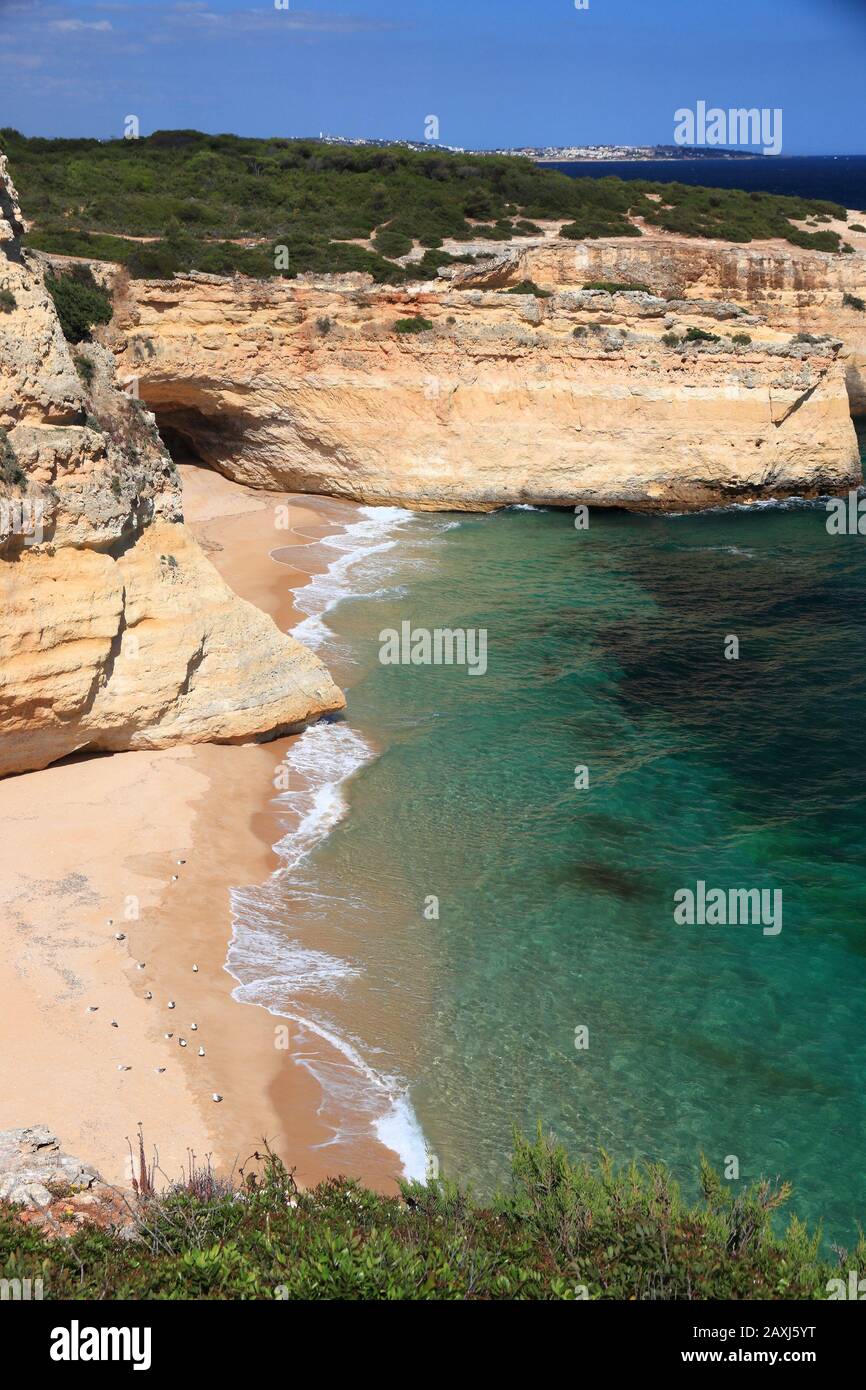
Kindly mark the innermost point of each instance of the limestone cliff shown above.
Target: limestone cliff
(579, 396)
(115, 631)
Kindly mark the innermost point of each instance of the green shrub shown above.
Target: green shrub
(392, 244)
(741, 339)
(559, 1231)
(853, 302)
(80, 302)
(85, 367)
(700, 335)
(856, 227)
(615, 286)
(670, 340)
(7, 301)
(9, 470)
(580, 331)
(414, 325)
(810, 338)
(529, 287)
(324, 326)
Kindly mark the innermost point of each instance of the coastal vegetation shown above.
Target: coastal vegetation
(529, 287)
(9, 470)
(181, 200)
(616, 286)
(80, 302)
(561, 1230)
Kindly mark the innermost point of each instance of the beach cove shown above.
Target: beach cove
(147, 846)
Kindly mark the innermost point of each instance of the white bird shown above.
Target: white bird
(91, 1008)
(148, 995)
(114, 1023)
(182, 1042)
(110, 921)
(195, 970)
(141, 965)
(169, 1035)
(122, 1067)
(159, 1069)
(215, 1096)
(201, 1052)
(120, 936)
(181, 861)
(171, 1003)
(174, 878)
(194, 1027)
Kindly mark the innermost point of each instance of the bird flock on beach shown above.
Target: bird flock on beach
(148, 995)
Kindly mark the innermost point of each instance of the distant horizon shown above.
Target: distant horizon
(337, 137)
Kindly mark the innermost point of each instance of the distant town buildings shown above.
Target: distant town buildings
(560, 154)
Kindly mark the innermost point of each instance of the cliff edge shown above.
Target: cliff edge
(115, 631)
(722, 380)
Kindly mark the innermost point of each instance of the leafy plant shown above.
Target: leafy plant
(560, 1230)
(529, 287)
(616, 286)
(80, 302)
(700, 335)
(7, 301)
(85, 367)
(9, 470)
(853, 302)
(414, 325)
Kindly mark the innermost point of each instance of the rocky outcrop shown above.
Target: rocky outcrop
(573, 396)
(115, 630)
(34, 1170)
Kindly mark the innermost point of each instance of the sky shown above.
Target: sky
(494, 72)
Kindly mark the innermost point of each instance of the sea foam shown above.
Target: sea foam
(275, 969)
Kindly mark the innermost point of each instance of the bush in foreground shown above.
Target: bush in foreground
(560, 1231)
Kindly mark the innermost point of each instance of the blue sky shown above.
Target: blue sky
(495, 72)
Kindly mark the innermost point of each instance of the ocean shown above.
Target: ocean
(838, 178)
(555, 903)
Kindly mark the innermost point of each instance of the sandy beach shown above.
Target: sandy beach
(148, 845)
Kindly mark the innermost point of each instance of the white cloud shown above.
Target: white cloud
(78, 26)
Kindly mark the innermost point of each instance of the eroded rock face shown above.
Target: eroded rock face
(510, 398)
(115, 631)
(33, 1167)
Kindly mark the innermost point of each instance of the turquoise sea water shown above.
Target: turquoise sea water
(605, 648)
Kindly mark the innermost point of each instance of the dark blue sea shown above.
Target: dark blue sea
(839, 178)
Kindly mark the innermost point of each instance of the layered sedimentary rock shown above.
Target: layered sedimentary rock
(115, 631)
(572, 396)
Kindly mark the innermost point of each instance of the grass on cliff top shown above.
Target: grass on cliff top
(560, 1231)
(195, 193)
